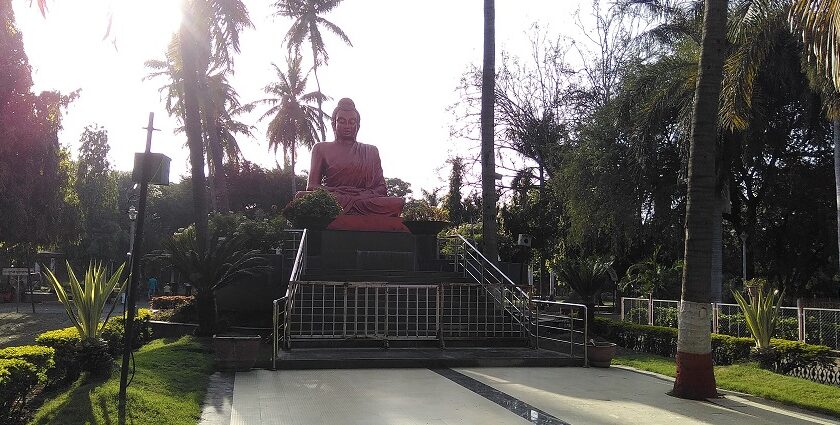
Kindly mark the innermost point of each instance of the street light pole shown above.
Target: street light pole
(132, 218)
(744, 256)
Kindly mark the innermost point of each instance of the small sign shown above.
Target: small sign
(15, 271)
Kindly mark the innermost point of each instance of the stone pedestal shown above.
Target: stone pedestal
(346, 249)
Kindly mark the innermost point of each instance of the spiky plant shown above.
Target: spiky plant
(761, 313)
(85, 312)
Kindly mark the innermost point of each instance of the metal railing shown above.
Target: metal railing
(551, 323)
(805, 324)
(281, 317)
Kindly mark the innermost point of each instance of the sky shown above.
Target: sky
(402, 71)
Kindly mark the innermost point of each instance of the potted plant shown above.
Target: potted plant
(315, 210)
(421, 218)
(85, 309)
(586, 276)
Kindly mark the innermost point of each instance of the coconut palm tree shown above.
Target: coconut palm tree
(816, 21)
(488, 155)
(294, 120)
(307, 25)
(695, 375)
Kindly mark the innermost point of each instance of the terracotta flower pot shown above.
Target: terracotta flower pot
(600, 354)
(236, 352)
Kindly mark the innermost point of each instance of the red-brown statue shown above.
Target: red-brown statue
(352, 171)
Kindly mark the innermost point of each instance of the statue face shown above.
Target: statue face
(346, 125)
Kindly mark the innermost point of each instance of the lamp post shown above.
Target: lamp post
(132, 218)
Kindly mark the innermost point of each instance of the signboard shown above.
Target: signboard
(15, 271)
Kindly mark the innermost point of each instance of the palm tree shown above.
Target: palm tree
(308, 20)
(223, 262)
(817, 21)
(294, 121)
(488, 158)
(695, 374)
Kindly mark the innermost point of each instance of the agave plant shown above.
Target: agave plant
(85, 312)
(223, 262)
(89, 297)
(761, 313)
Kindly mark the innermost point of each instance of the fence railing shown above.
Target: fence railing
(282, 306)
(555, 325)
(811, 325)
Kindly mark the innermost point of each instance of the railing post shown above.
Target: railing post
(800, 318)
(439, 313)
(585, 336)
(715, 317)
(650, 309)
(622, 309)
(536, 310)
(274, 336)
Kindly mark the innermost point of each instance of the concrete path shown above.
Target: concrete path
(478, 396)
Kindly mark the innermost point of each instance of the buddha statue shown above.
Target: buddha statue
(352, 172)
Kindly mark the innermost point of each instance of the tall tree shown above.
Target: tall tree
(695, 377)
(97, 190)
(294, 121)
(488, 152)
(307, 25)
(453, 199)
(817, 21)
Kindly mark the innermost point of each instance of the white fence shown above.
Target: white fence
(811, 325)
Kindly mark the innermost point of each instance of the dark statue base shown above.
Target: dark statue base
(368, 223)
(362, 250)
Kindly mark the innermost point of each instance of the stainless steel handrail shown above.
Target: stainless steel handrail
(298, 267)
(526, 309)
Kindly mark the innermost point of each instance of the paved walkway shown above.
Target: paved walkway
(476, 396)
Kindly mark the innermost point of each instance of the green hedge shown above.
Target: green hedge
(784, 356)
(41, 357)
(64, 342)
(170, 302)
(17, 379)
(662, 340)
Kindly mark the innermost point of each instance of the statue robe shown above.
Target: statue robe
(353, 173)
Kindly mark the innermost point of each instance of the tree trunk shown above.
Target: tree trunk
(320, 106)
(695, 377)
(192, 123)
(488, 159)
(205, 306)
(717, 249)
(292, 173)
(215, 156)
(835, 127)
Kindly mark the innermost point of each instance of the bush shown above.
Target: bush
(314, 208)
(66, 343)
(17, 380)
(662, 340)
(421, 210)
(40, 357)
(784, 356)
(170, 302)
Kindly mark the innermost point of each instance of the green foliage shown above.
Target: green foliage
(454, 206)
(262, 233)
(319, 206)
(586, 276)
(421, 210)
(398, 187)
(66, 342)
(88, 302)
(761, 313)
(223, 261)
(783, 356)
(651, 275)
(40, 357)
(17, 380)
(170, 302)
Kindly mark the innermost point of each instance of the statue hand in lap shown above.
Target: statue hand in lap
(350, 170)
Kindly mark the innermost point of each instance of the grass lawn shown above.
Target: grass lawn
(749, 378)
(168, 388)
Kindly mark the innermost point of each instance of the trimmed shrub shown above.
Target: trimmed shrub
(65, 342)
(170, 302)
(784, 356)
(17, 380)
(40, 357)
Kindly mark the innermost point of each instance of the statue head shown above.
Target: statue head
(346, 119)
